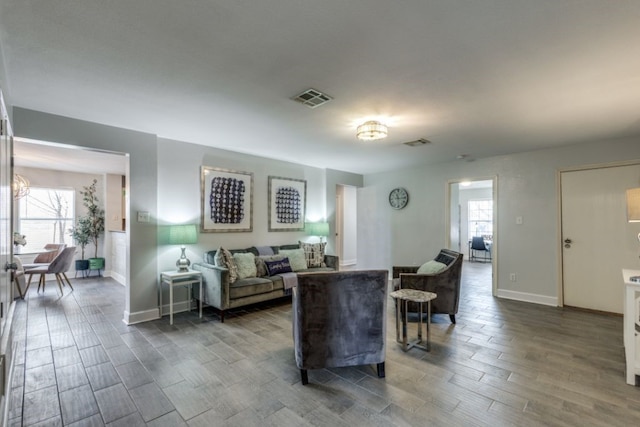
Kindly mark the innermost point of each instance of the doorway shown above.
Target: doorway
(62, 166)
(471, 206)
(347, 225)
(596, 239)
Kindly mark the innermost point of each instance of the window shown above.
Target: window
(45, 216)
(480, 218)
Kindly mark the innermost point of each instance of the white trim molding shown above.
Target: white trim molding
(140, 316)
(527, 297)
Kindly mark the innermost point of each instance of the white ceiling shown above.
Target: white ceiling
(480, 78)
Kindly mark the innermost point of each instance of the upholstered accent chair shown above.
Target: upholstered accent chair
(339, 319)
(58, 267)
(445, 283)
(45, 258)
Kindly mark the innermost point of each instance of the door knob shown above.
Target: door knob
(567, 243)
(10, 266)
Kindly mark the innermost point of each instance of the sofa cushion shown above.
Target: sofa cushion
(313, 253)
(296, 258)
(250, 286)
(224, 258)
(431, 267)
(246, 263)
(277, 267)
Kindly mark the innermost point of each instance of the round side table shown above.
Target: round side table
(402, 298)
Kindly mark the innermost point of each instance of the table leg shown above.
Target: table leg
(429, 325)
(419, 322)
(200, 297)
(160, 296)
(398, 320)
(405, 320)
(170, 303)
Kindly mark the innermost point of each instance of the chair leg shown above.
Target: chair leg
(29, 282)
(381, 370)
(453, 318)
(41, 283)
(67, 279)
(15, 279)
(59, 281)
(304, 376)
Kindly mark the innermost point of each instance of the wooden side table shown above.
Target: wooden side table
(178, 278)
(402, 298)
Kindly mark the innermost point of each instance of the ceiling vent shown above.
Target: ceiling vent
(417, 142)
(312, 98)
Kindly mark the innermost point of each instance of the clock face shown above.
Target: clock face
(398, 198)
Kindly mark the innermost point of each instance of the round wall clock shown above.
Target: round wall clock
(398, 198)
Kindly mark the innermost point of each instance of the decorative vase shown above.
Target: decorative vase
(96, 263)
(82, 264)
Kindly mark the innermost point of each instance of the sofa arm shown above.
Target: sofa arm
(399, 269)
(216, 284)
(332, 261)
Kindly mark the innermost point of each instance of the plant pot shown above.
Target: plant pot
(82, 264)
(96, 263)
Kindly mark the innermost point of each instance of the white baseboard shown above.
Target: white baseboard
(117, 277)
(348, 262)
(140, 316)
(527, 297)
(156, 313)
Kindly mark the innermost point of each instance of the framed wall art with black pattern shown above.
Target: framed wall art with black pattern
(287, 203)
(227, 200)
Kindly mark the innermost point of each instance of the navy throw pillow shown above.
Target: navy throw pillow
(277, 267)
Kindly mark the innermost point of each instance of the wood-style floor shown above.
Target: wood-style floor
(504, 363)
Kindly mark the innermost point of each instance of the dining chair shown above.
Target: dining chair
(52, 251)
(58, 267)
(478, 245)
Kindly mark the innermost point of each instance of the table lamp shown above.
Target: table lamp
(320, 229)
(633, 214)
(183, 235)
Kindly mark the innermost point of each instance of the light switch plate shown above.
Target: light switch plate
(143, 216)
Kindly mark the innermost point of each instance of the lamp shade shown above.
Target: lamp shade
(320, 229)
(633, 205)
(183, 234)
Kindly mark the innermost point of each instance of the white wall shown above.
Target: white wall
(179, 196)
(526, 187)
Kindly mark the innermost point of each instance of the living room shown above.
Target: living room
(164, 181)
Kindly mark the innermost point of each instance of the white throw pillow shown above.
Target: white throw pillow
(246, 263)
(431, 267)
(296, 258)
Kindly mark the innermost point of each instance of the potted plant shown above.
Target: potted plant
(80, 235)
(95, 222)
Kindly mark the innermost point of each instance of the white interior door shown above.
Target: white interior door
(597, 239)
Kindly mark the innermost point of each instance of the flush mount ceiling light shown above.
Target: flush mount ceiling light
(371, 130)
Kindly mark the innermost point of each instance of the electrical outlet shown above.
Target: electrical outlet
(513, 277)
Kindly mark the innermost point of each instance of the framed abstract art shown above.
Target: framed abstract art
(287, 203)
(226, 200)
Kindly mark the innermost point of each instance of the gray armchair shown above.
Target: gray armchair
(339, 319)
(446, 283)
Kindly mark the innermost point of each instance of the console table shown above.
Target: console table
(179, 278)
(632, 325)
